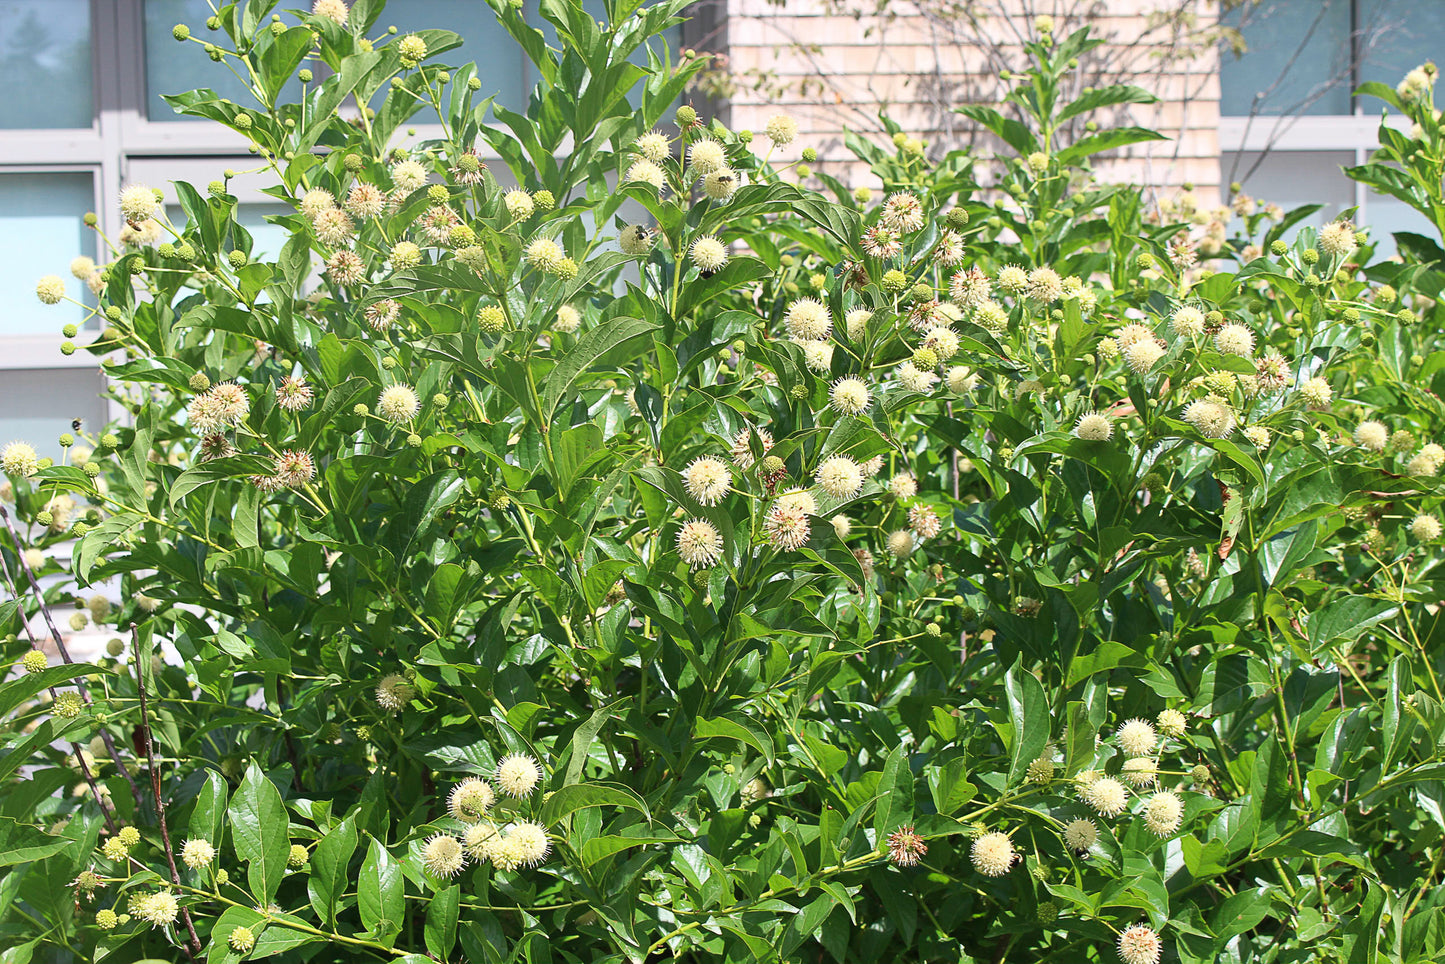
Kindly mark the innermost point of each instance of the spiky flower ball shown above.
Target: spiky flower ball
(528, 843)
(19, 459)
(1140, 771)
(443, 856)
(781, 129)
(398, 403)
(471, 799)
(1163, 813)
(707, 480)
(902, 212)
(1211, 416)
(706, 155)
(1316, 392)
(293, 394)
(544, 254)
(1187, 321)
(992, 854)
(840, 477)
(709, 254)
(1045, 286)
(924, 522)
(1137, 738)
(518, 775)
(721, 184)
(699, 543)
(1372, 435)
(394, 692)
(68, 705)
(1337, 239)
(808, 320)
(1234, 339)
(138, 202)
(241, 939)
(160, 908)
(1106, 795)
(50, 289)
(900, 543)
(197, 854)
(1094, 427)
(106, 919)
(1080, 834)
(1426, 528)
(1142, 355)
(1140, 945)
(1040, 771)
(297, 856)
(411, 49)
(646, 172)
(786, 525)
(333, 226)
(849, 395)
(742, 446)
(905, 847)
(653, 145)
(480, 838)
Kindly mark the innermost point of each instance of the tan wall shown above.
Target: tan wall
(835, 71)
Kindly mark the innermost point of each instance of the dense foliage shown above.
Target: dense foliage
(631, 552)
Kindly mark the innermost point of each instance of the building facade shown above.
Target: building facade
(83, 115)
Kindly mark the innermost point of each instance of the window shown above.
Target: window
(1289, 120)
(45, 52)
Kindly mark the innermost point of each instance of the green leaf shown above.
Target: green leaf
(1345, 618)
(580, 796)
(330, 869)
(441, 922)
(209, 814)
(280, 59)
(620, 340)
(381, 893)
(1028, 710)
(259, 832)
(895, 794)
(600, 848)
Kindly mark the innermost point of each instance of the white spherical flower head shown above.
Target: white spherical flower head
(398, 403)
(138, 202)
(1187, 321)
(635, 240)
(408, 176)
(50, 289)
(160, 909)
(1094, 427)
(786, 526)
(1171, 723)
(1316, 392)
(518, 774)
(699, 544)
(914, 379)
(19, 459)
(1372, 435)
(902, 212)
(528, 842)
(316, 200)
(709, 254)
(1257, 435)
(1080, 834)
(742, 446)
(653, 145)
(1141, 356)
(818, 356)
(1234, 339)
(479, 838)
(808, 320)
(1163, 813)
(942, 341)
(903, 486)
(961, 380)
(840, 477)
(569, 319)
(333, 10)
(1107, 796)
(1140, 945)
(705, 156)
(196, 854)
(443, 856)
(1045, 286)
(720, 185)
(1137, 738)
(519, 204)
(1337, 239)
(1013, 279)
(924, 522)
(842, 526)
(394, 692)
(82, 267)
(850, 396)
(855, 323)
(781, 129)
(544, 254)
(1210, 416)
(992, 854)
(1426, 528)
(707, 480)
(470, 800)
(646, 172)
(900, 543)
(1140, 771)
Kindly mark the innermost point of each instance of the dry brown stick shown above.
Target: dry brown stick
(64, 652)
(145, 730)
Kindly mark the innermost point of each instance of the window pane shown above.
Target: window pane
(1397, 35)
(41, 402)
(41, 231)
(45, 64)
(173, 67)
(1297, 61)
(486, 42)
(1292, 179)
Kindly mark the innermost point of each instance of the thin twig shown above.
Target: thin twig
(64, 652)
(74, 747)
(145, 729)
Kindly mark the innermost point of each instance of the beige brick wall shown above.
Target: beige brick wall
(832, 72)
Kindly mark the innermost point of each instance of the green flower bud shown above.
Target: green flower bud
(360, 409)
(804, 171)
(277, 29)
(242, 122)
(44, 518)
(686, 116)
(185, 252)
(199, 382)
(772, 465)
(353, 162)
(1145, 261)
(1310, 256)
(67, 348)
(166, 250)
(413, 440)
(437, 194)
(213, 23)
(810, 155)
(1406, 316)
(475, 83)
(90, 219)
(957, 218)
(1277, 247)
(895, 281)
(70, 331)
(304, 75)
(91, 469)
(80, 528)
(544, 201)
(236, 259)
